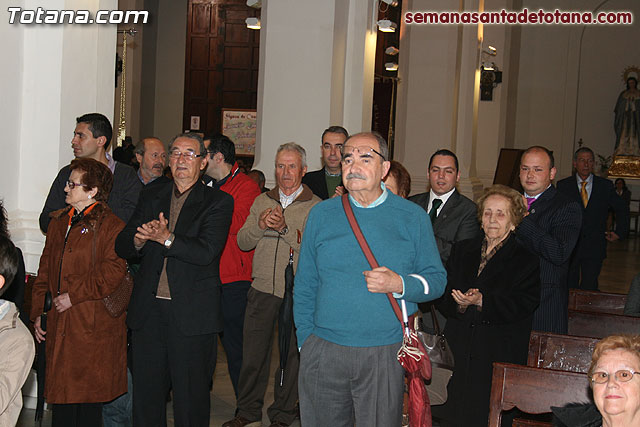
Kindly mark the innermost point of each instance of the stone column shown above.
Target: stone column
(438, 95)
(316, 70)
(51, 75)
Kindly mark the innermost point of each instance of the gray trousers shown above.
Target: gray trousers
(340, 386)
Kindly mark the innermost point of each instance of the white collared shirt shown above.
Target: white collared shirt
(444, 198)
(380, 200)
(589, 182)
(111, 161)
(539, 194)
(287, 200)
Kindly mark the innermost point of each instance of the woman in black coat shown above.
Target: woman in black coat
(492, 292)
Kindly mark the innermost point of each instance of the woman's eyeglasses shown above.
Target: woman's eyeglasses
(622, 376)
(73, 185)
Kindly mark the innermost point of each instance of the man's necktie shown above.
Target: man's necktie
(584, 194)
(433, 213)
(530, 200)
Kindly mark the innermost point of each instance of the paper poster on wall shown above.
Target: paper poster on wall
(240, 126)
(195, 122)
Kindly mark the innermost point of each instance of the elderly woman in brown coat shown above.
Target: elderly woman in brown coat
(85, 346)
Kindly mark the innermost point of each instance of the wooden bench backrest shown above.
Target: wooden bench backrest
(560, 352)
(600, 302)
(600, 325)
(533, 390)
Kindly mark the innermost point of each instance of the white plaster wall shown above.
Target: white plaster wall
(170, 66)
(426, 91)
(11, 81)
(606, 51)
(568, 83)
(53, 74)
(294, 83)
(492, 114)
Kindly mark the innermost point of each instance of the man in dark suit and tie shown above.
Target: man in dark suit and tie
(454, 216)
(178, 229)
(327, 182)
(550, 230)
(596, 195)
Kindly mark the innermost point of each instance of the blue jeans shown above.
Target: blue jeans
(117, 413)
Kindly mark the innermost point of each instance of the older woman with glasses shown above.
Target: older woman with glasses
(492, 291)
(614, 379)
(85, 346)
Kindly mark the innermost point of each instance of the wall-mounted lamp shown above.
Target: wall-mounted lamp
(391, 50)
(387, 26)
(256, 4)
(391, 66)
(392, 3)
(253, 23)
(490, 78)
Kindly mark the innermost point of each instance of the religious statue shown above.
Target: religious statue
(626, 156)
(627, 120)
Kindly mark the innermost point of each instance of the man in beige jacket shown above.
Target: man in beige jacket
(274, 226)
(16, 344)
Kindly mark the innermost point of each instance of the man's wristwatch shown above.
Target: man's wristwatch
(169, 241)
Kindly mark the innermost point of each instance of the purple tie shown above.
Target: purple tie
(530, 200)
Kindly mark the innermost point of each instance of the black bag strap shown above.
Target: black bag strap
(367, 250)
(434, 318)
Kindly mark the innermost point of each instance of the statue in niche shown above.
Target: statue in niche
(627, 117)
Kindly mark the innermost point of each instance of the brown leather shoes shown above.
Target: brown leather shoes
(239, 421)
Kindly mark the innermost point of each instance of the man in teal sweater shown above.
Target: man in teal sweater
(347, 330)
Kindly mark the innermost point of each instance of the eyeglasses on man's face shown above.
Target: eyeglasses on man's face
(622, 376)
(188, 155)
(73, 185)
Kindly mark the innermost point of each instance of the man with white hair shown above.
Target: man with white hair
(274, 228)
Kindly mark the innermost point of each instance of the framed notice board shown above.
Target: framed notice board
(240, 126)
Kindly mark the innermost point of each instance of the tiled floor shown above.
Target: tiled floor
(223, 401)
(621, 265)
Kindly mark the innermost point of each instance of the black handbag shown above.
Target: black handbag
(442, 361)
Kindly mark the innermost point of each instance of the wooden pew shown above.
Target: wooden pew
(600, 302)
(600, 325)
(560, 352)
(533, 390)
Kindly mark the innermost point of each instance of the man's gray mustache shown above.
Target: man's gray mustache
(354, 175)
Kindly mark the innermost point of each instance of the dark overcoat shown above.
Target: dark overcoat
(86, 348)
(510, 287)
